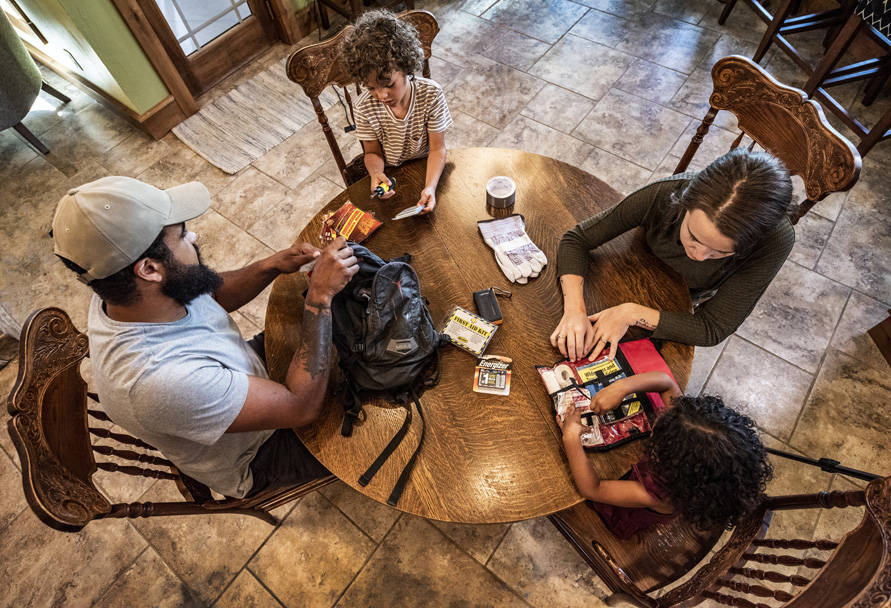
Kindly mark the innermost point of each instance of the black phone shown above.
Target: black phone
(487, 306)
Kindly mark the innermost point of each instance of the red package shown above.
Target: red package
(573, 384)
(350, 222)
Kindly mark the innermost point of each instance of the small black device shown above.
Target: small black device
(487, 304)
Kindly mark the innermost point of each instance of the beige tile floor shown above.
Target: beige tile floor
(613, 86)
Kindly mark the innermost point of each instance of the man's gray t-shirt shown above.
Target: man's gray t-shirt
(179, 386)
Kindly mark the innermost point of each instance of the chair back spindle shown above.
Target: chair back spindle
(753, 571)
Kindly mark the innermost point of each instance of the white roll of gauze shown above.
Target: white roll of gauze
(565, 375)
(550, 381)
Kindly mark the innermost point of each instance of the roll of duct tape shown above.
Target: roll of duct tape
(501, 192)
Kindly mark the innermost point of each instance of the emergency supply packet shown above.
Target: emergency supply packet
(350, 222)
(467, 331)
(574, 384)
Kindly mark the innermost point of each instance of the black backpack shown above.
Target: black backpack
(385, 339)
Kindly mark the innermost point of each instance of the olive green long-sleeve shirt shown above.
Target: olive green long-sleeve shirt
(737, 281)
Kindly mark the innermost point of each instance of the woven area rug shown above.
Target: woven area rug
(250, 120)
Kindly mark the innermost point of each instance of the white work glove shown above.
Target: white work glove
(509, 270)
(516, 254)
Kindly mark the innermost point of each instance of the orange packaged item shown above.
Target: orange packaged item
(350, 222)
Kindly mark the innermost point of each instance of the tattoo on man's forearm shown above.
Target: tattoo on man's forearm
(314, 349)
(643, 323)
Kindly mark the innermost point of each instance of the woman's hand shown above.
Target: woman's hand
(380, 178)
(611, 324)
(609, 327)
(574, 335)
(571, 424)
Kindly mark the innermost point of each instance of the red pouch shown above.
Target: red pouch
(575, 383)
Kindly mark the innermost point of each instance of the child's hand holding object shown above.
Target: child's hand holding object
(381, 186)
(609, 397)
(571, 424)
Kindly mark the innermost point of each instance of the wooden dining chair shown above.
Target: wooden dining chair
(652, 559)
(867, 24)
(750, 566)
(784, 122)
(758, 8)
(51, 428)
(352, 8)
(784, 23)
(318, 66)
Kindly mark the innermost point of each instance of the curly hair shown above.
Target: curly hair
(381, 43)
(745, 194)
(711, 460)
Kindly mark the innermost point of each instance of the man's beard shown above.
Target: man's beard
(185, 282)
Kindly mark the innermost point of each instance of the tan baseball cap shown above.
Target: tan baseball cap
(105, 225)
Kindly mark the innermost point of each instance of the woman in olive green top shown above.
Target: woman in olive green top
(725, 230)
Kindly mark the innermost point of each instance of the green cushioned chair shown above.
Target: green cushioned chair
(21, 83)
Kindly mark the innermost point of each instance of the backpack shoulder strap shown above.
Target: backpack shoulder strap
(396, 494)
(367, 476)
(352, 407)
(409, 397)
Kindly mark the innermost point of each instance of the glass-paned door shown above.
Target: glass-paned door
(195, 24)
(209, 39)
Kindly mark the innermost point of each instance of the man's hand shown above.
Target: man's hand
(333, 270)
(427, 200)
(291, 259)
(378, 178)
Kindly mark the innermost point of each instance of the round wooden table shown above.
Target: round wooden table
(486, 458)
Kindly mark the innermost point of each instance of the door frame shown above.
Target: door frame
(283, 18)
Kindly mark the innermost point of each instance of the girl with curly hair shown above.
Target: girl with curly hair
(399, 116)
(703, 461)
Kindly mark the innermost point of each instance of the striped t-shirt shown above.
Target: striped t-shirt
(406, 138)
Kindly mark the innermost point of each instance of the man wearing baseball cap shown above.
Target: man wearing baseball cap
(169, 363)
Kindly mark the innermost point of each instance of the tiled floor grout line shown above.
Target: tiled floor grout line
(841, 210)
(355, 523)
(123, 572)
(498, 545)
(244, 566)
(773, 354)
(828, 348)
(160, 556)
(12, 519)
(371, 555)
(714, 366)
(262, 583)
(485, 565)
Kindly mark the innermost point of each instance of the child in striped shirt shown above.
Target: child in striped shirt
(399, 116)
